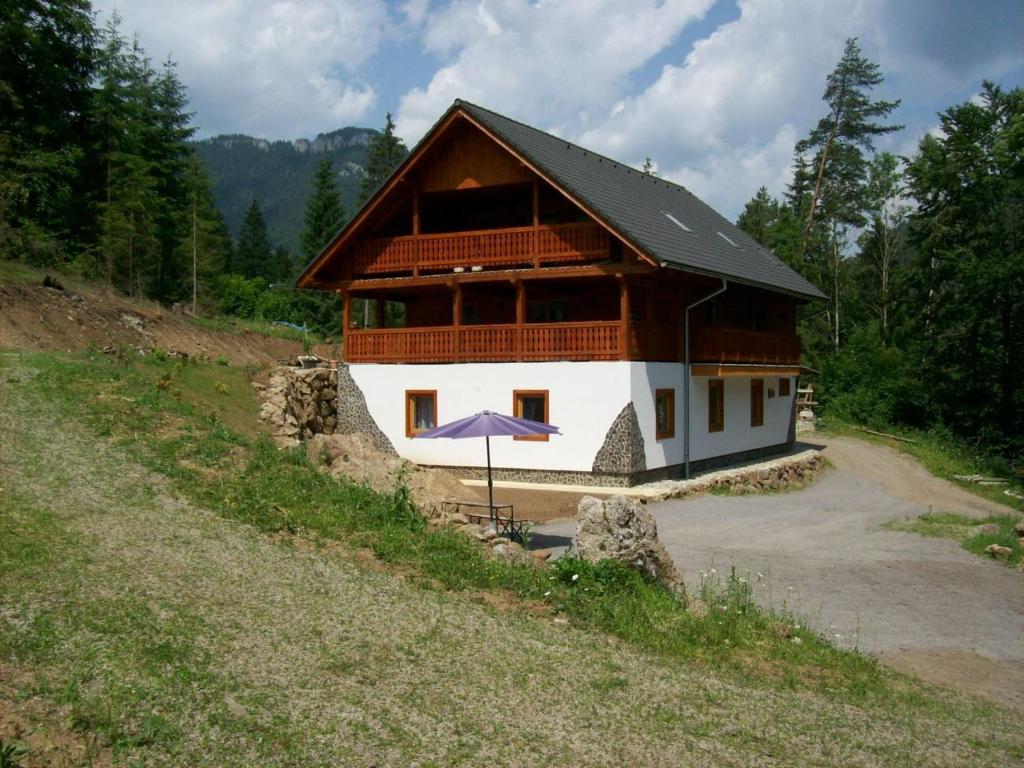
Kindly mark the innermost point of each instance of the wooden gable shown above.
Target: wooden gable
(464, 158)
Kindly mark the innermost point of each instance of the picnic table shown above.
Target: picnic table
(509, 525)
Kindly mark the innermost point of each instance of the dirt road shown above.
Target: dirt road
(923, 604)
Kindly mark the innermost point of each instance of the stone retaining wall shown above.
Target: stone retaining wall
(786, 473)
(299, 403)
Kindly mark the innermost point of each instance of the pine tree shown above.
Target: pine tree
(383, 154)
(252, 249)
(281, 268)
(837, 145)
(324, 212)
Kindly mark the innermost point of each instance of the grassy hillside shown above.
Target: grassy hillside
(173, 591)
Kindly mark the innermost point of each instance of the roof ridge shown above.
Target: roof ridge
(574, 145)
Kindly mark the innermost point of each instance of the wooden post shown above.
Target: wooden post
(379, 306)
(416, 231)
(457, 318)
(536, 223)
(520, 317)
(623, 317)
(346, 321)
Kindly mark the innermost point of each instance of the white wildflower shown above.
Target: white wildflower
(575, 577)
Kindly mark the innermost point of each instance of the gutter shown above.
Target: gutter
(686, 374)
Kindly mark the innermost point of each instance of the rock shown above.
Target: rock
(986, 528)
(998, 551)
(623, 529)
(1019, 528)
(540, 555)
(509, 552)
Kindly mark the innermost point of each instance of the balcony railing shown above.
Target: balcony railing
(555, 244)
(565, 341)
(486, 343)
(730, 345)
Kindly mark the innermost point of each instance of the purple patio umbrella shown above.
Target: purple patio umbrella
(487, 424)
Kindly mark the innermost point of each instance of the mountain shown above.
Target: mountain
(279, 175)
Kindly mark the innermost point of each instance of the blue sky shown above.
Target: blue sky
(716, 92)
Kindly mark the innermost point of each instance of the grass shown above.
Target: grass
(187, 421)
(972, 533)
(944, 457)
(250, 636)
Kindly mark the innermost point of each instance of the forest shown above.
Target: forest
(99, 176)
(922, 257)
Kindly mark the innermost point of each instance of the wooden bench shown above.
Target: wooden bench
(508, 526)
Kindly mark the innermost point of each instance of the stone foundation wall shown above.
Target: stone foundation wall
(622, 452)
(354, 416)
(787, 472)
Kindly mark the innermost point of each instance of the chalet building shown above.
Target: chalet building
(507, 269)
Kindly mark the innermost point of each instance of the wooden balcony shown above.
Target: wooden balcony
(486, 343)
(494, 248)
(731, 345)
(603, 340)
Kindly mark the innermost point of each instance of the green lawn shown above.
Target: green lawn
(174, 590)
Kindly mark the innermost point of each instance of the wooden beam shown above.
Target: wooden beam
(520, 317)
(346, 321)
(489, 276)
(536, 223)
(721, 370)
(379, 307)
(416, 231)
(457, 316)
(623, 317)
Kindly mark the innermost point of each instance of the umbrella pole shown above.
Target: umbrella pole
(490, 487)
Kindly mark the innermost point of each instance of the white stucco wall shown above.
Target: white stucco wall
(583, 400)
(738, 435)
(645, 379)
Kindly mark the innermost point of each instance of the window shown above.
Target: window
(756, 402)
(664, 414)
(420, 411)
(784, 387)
(716, 405)
(531, 404)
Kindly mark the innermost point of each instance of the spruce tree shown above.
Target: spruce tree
(46, 65)
(383, 154)
(324, 212)
(252, 249)
(203, 244)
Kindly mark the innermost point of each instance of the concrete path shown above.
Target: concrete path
(924, 604)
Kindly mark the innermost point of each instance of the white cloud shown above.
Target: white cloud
(266, 67)
(551, 63)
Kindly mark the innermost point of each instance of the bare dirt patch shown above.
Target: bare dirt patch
(75, 319)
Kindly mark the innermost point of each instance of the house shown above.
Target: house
(507, 269)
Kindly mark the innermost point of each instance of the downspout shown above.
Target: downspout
(686, 375)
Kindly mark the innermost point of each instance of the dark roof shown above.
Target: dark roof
(648, 211)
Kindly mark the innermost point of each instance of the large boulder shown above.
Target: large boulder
(620, 528)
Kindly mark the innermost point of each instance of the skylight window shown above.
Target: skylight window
(727, 239)
(677, 222)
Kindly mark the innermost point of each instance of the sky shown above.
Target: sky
(715, 92)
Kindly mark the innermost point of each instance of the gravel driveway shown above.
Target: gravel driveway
(923, 604)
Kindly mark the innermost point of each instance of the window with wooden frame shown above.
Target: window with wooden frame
(420, 411)
(784, 387)
(664, 414)
(756, 402)
(716, 405)
(531, 404)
